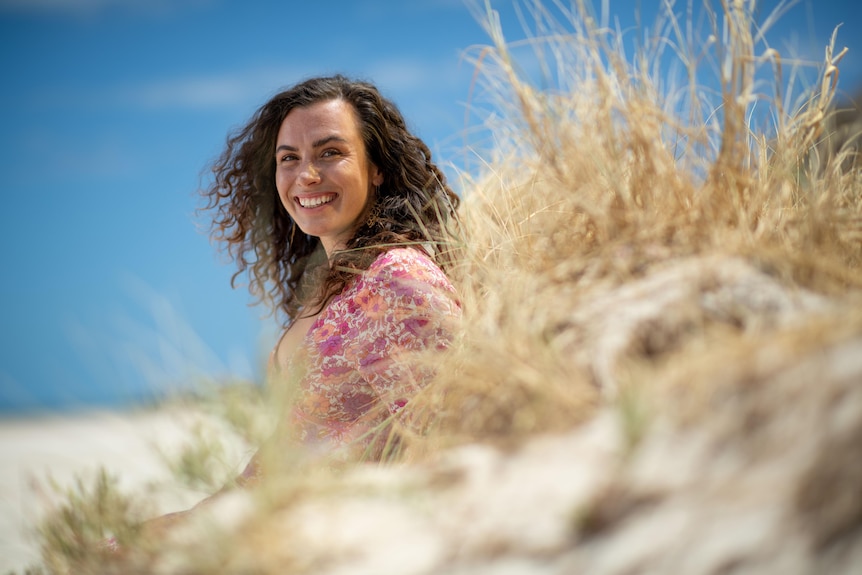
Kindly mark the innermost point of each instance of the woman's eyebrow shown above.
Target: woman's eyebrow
(328, 139)
(316, 144)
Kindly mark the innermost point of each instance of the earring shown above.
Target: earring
(374, 214)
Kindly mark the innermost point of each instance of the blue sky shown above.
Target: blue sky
(111, 111)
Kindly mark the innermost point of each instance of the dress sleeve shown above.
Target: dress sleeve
(407, 307)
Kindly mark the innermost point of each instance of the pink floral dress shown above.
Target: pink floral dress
(353, 368)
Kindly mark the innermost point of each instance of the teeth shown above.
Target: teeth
(314, 202)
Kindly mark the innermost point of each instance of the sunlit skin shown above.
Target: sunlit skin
(322, 173)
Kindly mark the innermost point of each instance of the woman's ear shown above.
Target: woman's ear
(376, 176)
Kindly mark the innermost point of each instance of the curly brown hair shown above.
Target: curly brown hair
(414, 205)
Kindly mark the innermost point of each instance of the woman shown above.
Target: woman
(327, 171)
(339, 216)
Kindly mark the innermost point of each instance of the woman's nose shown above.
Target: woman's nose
(309, 174)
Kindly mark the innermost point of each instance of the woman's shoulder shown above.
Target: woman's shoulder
(407, 263)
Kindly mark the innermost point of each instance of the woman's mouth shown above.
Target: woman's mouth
(316, 201)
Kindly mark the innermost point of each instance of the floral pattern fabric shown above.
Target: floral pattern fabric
(353, 367)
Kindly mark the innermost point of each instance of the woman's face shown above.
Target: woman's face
(322, 172)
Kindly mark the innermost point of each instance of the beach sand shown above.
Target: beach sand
(36, 450)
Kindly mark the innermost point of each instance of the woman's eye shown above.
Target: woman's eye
(330, 153)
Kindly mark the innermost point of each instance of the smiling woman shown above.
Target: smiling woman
(329, 138)
(322, 173)
(327, 171)
(341, 220)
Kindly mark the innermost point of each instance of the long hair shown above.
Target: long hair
(414, 205)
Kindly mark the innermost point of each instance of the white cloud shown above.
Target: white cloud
(406, 75)
(253, 86)
(205, 92)
(211, 91)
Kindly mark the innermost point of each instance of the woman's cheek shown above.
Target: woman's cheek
(281, 185)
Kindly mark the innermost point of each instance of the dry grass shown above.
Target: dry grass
(624, 240)
(607, 175)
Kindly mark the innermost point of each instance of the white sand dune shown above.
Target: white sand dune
(36, 450)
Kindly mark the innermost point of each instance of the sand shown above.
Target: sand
(35, 450)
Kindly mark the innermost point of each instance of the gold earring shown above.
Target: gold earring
(374, 215)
